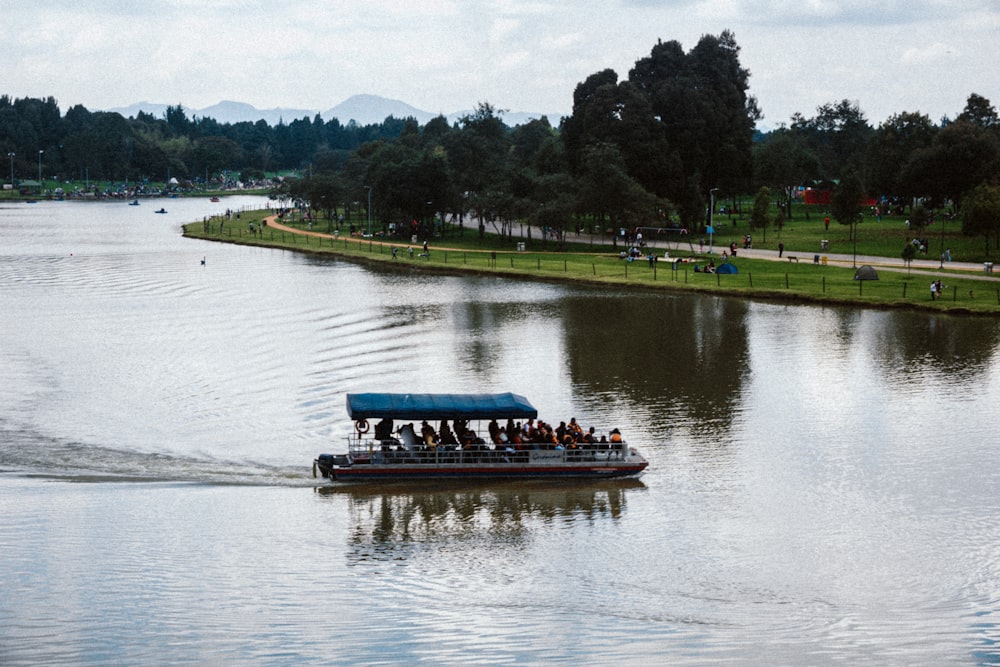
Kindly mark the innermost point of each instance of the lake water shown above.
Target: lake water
(822, 488)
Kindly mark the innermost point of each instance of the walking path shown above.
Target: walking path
(929, 267)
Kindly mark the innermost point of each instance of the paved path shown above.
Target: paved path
(929, 267)
(917, 266)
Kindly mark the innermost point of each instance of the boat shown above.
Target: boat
(215, 200)
(453, 450)
(162, 210)
(134, 202)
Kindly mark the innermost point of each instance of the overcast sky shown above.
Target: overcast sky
(523, 55)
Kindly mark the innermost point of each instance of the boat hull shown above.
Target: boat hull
(608, 467)
(379, 473)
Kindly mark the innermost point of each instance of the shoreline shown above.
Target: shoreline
(770, 295)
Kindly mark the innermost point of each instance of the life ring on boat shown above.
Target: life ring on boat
(361, 426)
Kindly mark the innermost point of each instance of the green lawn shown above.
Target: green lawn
(786, 281)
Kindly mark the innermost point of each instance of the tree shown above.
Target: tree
(979, 111)
(838, 136)
(848, 198)
(760, 217)
(909, 252)
(701, 101)
(981, 213)
(961, 156)
(846, 204)
(891, 146)
(213, 154)
(785, 161)
(683, 122)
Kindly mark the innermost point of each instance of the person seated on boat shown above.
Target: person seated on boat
(589, 437)
(427, 434)
(560, 432)
(409, 437)
(616, 436)
(468, 438)
(494, 429)
(383, 429)
(575, 428)
(545, 436)
(528, 431)
(445, 434)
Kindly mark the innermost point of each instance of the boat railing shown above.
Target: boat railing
(392, 451)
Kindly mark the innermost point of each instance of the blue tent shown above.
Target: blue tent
(726, 267)
(439, 406)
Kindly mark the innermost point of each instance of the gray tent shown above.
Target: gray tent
(866, 272)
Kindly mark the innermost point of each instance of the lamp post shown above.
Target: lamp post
(11, 154)
(942, 239)
(369, 189)
(40, 151)
(711, 217)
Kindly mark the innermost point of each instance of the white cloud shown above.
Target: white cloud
(928, 54)
(444, 55)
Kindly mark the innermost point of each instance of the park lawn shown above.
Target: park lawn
(886, 238)
(785, 281)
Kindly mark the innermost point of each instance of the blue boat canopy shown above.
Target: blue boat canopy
(440, 406)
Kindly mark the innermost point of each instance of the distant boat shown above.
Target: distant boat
(214, 199)
(31, 201)
(134, 202)
(162, 210)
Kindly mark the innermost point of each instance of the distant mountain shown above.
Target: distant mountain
(224, 112)
(372, 110)
(238, 112)
(362, 109)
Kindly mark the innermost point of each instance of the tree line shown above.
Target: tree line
(651, 149)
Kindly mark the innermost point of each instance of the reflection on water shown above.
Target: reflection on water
(820, 487)
(390, 523)
(682, 358)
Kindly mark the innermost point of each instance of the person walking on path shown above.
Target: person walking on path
(781, 249)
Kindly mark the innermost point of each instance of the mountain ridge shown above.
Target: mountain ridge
(363, 109)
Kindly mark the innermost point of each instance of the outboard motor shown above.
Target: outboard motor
(325, 463)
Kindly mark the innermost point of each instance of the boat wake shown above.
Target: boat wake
(28, 454)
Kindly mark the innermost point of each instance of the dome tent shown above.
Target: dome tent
(866, 272)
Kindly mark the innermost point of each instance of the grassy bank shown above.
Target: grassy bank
(758, 278)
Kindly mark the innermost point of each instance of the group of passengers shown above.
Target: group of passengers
(514, 436)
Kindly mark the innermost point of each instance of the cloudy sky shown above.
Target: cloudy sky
(523, 55)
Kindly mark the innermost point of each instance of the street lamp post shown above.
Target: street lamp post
(369, 189)
(40, 169)
(711, 217)
(11, 154)
(942, 240)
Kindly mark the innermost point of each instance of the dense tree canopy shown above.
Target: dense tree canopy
(639, 151)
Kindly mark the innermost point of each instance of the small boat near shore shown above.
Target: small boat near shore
(456, 450)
